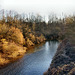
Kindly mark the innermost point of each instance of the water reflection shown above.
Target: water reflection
(50, 48)
(35, 62)
(47, 46)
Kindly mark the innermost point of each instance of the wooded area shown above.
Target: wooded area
(21, 31)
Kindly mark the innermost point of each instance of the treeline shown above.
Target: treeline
(36, 24)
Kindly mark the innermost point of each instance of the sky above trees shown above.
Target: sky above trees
(43, 7)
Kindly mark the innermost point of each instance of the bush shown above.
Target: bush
(15, 35)
(29, 43)
(3, 30)
(7, 47)
(10, 48)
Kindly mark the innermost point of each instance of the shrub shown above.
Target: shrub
(15, 35)
(32, 37)
(9, 47)
(29, 42)
(3, 30)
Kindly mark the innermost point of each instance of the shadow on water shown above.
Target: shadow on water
(35, 62)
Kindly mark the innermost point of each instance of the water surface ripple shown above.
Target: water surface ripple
(33, 63)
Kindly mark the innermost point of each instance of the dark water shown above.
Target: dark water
(35, 62)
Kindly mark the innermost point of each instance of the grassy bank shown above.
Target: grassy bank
(63, 61)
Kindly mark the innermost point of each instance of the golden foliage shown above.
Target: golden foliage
(8, 47)
(3, 30)
(69, 20)
(15, 35)
(29, 42)
(11, 48)
(41, 38)
(32, 37)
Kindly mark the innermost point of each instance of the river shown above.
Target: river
(35, 62)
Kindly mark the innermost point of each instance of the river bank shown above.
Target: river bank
(8, 57)
(64, 60)
(19, 51)
(14, 43)
(35, 61)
